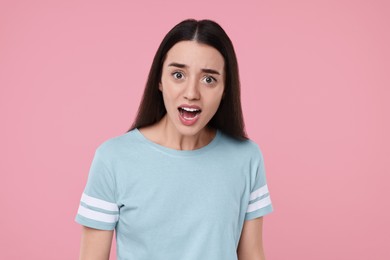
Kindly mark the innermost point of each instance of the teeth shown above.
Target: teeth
(190, 109)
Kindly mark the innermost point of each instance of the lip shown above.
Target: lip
(189, 122)
(190, 106)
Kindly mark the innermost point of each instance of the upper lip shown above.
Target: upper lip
(190, 106)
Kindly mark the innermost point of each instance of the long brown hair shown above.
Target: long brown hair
(228, 118)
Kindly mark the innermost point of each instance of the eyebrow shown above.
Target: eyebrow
(179, 65)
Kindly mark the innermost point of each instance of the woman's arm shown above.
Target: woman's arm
(95, 244)
(250, 246)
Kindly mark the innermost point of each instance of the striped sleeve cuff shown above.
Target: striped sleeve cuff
(259, 203)
(97, 213)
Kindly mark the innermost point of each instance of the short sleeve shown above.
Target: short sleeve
(98, 208)
(259, 200)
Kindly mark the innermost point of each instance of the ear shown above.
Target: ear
(160, 86)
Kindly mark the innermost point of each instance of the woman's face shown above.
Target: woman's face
(192, 84)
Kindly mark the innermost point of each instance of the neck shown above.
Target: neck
(167, 135)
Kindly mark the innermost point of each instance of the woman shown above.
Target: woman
(185, 182)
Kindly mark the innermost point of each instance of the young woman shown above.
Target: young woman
(185, 182)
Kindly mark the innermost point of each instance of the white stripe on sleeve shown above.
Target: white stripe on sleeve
(259, 204)
(96, 215)
(98, 203)
(259, 192)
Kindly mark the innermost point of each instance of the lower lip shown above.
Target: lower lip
(188, 122)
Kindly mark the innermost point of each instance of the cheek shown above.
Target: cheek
(215, 102)
(219, 95)
(168, 97)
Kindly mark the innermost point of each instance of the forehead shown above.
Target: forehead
(196, 55)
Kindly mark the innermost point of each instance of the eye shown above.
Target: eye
(177, 75)
(209, 79)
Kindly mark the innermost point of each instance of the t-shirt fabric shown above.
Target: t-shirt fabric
(174, 204)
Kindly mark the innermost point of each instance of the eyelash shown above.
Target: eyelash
(174, 74)
(210, 77)
(177, 72)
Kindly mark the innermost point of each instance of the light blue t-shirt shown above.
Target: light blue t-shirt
(168, 204)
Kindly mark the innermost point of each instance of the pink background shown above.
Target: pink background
(316, 89)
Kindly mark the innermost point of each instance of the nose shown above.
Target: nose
(192, 90)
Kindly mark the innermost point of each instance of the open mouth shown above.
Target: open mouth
(189, 113)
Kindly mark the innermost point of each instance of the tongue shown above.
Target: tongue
(188, 114)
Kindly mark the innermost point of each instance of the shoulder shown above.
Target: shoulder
(247, 148)
(116, 146)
